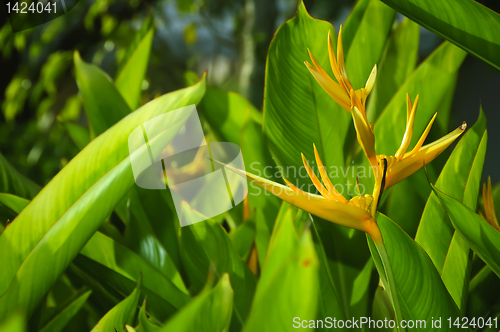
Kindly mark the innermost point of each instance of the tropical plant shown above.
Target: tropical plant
(362, 222)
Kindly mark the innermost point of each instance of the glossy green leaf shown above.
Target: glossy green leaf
(113, 264)
(131, 75)
(291, 264)
(13, 182)
(297, 111)
(352, 23)
(397, 63)
(59, 321)
(483, 238)
(123, 313)
(435, 231)
(209, 311)
(422, 294)
(368, 43)
(431, 80)
(102, 101)
(73, 205)
(206, 245)
(457, 266)
(468, 24)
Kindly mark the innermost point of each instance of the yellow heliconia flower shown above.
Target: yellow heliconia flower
(403, 163)
(489, 206)
(341, 92)
(330, 205)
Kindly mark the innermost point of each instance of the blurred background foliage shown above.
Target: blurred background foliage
(229, 39)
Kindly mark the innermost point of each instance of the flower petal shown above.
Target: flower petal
(371, 81)
(365, 136)
(317, 183)
(333, 62)
(423, 137)
(413, 162)
(340, 213)
(411, 112)
(329, 85)
(326, 180)
(340, 61)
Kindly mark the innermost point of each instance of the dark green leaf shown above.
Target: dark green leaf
(483, 238)
(465, 23)
(57, 223)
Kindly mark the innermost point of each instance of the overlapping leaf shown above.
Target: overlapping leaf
(465, 23)
(53, 228)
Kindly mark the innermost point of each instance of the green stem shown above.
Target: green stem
(391, 282)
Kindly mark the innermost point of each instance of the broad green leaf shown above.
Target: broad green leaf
(352, 23)
(113, 264)
(59, 321)
(80, 135)
(435, 231)
(468, 24)
(13, 182)
(368, 43)
(483, 238)
(289, 285)
(123, 313)
(421, 292)
(102, 101)
(397, 63)
(206, 245)
(431, 80)
(131, 76)
(457, 266)
(57, 223)
(456, 270)
(297, 111)
(209, 311)
(226, 113)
